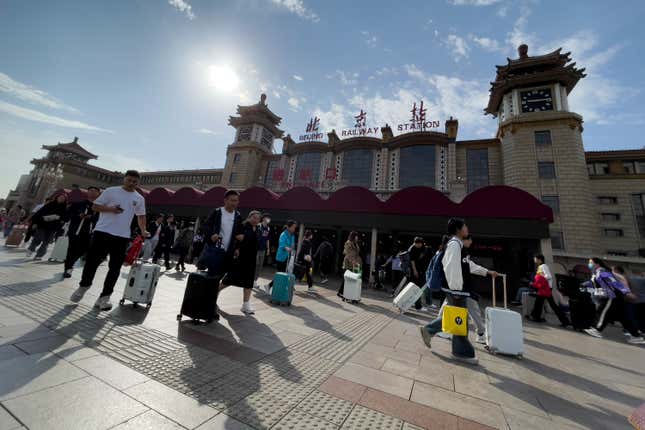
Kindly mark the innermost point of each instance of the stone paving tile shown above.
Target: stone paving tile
(363, 418)
(180, 408)
(111, 371)
(82, 404)
(330, 408)
(377, 379)
(408, 370)
(224, 422)
(150, 420)
(8, 352)
(518, 420)
(261, 413)
(8, 422)
(297, 419)
(27, 374)
(343, 389)
(459, 404)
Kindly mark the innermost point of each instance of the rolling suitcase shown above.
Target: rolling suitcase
(408, 297)
(353, 284)
(282, 291)
(200, 297)
(504, 333)
(16, 236)
(59, 252)
(141, 284)
(583, 311)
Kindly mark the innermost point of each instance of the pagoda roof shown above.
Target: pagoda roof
(72, 147)
(533, 70)
(257, 113)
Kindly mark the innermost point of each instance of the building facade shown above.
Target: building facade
(597, 198)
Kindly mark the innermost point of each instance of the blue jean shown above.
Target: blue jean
(8, 226)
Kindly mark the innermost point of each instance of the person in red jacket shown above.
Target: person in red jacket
(543, 288)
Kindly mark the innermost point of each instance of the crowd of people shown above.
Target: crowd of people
(101, 226)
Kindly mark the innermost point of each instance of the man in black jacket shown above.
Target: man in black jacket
(166, 240)
(224, 225)
(82, 220)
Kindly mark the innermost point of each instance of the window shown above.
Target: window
(272, 165)
(357, 167)
(590, 169)
(553, 202)
(543, 137)
(546, 169)
(557, 240)
(610, 217)
(245, 133)
(232, 178)
(267, 138)
(638, 203)
(613, 232)
(476, 168)
(598, 169)
(417, 166)
(629, 167)
(237, 158)
(640, 166)
(617, 253)
(307, 169)
(604, 200)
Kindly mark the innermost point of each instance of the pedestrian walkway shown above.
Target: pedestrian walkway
(318, 364)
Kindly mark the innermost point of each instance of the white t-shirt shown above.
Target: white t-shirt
(118, 224)
(226, 230)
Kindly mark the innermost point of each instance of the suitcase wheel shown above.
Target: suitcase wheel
(217, 317)
(210, 320)
(148, 305)
(122, 301)
(178, 317)
(135, 304)
(288, 303)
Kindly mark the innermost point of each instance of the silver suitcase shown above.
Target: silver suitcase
(408, 297)
(504, 331)
(141, 284)
(59, 252)
(353, 286)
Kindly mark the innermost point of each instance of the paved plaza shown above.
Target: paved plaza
(319, 364)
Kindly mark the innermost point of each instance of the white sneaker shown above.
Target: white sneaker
(77, 296)
(247, 308)
(311, 290)
(627, 334)
(444, 335)
(103, 303)
(593, 332)
(481, 339)
(433, 306)
(324, 281)
(29, 253)
(636, 340)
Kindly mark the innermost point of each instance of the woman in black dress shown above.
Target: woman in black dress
(243, 269)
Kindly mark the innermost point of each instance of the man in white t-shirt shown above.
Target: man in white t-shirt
(116, 206)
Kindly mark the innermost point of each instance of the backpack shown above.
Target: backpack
(436, 278)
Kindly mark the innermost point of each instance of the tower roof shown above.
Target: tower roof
(72, 147)
(258, 113)
(533, 70)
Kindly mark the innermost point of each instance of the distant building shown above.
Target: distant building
(597, 198)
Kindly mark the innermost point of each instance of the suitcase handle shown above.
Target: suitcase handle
(503, 276)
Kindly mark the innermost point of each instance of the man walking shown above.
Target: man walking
(116, 206)
(166, 240)
(420, 257)
(324, 256)
(264, 231)
(82, 220)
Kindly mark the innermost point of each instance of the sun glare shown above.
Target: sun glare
(223, 78)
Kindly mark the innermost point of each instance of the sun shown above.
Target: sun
(223, 78)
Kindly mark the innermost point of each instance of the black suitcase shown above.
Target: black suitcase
(200, 297)
(583, 311)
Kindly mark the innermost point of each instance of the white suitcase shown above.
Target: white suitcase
(353, 284)
(504, 332)
(408, 297)
(141, 284)
(59, 252)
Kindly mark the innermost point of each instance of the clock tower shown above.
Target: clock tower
(542, 146)
(256, 129)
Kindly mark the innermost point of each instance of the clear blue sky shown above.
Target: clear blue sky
(130, 77)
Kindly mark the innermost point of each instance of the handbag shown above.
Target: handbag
(455, 320)
(213, 258)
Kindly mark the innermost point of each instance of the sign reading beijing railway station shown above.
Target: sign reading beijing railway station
(418, 122)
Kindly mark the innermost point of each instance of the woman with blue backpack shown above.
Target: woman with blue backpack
(614, 297)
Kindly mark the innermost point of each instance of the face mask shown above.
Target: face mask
(590, 266)
(268, 221)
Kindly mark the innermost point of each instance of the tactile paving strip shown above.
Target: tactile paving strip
(297, 420)
(408, 426)
(259, 412)
(363, 418)
(328, 407)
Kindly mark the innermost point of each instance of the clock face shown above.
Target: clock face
(536, 100)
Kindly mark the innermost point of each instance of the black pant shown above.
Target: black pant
(78, 246)
(42, 237)
(182, 259)
(104, 244)
(165, 250)
(615, 310)
(536, 314)
(639, 315)
(310, 280)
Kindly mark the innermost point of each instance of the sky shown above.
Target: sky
(150, 84)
